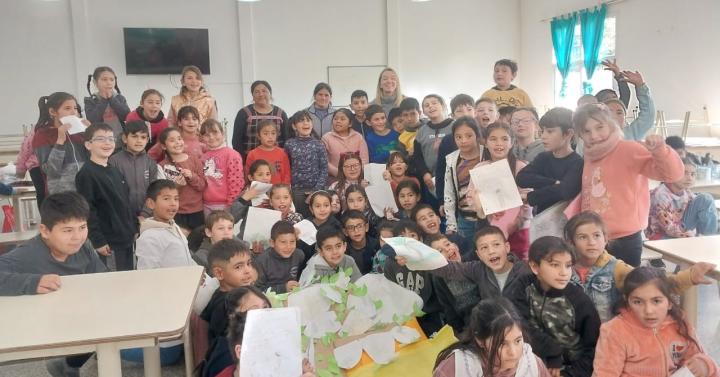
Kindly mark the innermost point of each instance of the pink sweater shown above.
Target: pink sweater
(193, 147)
(337, 145)
(616, 186)
(223, 169)
(191, 194)
(26, 159)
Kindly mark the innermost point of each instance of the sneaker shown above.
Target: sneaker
(59, 368)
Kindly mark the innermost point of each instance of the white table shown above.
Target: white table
(102, 313)
(688, 251)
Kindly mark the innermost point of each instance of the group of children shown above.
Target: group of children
(152, 193)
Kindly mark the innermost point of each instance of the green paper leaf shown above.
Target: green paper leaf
(324, 373)
(418, 311)
(378, 304)
(348, 271)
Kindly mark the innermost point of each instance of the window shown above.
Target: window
(601, 79)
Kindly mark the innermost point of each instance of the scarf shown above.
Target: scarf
(603, 148)
(141, 112)
(467, 364)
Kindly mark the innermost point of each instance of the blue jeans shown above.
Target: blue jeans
(168, 355)
(701, 215)
(466, 228)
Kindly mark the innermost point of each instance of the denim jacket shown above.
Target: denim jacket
(600, 285)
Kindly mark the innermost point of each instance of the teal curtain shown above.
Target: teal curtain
(592, 27)
(563, 31)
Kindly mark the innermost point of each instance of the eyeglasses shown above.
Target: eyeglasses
(352, 166)
(352, 228)
(103, 139)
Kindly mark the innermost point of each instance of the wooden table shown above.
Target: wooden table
(688, 251)
(102, 313)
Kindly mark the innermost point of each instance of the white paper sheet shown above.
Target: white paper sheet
(373, 173)
(76, 125)
(259, 222)
(549, 222)
(381, 197)
(405, 335)
(307, 231)
(380, 347)
(271, 343)
(348, 355)
(419, 256)
(357, 323)
(496, 187)
(262, 188)
(315, 311)
(395, 299)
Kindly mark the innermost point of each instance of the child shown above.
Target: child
(280, 197)
(187, 172)
(397, 170)
(407, 197)
(321, 110)
(650, 314)
(395, 120)
(194, 94)
(615, 178)
(381, 140)
(231, 264)
(270, 152)
(27, 162)
(622, 85)
(563, 323)
(504, 93)
(59, 154)
(189, 127)
(358, 105)
(330, 257)
(245, 129)
(218, 226)
(646, 116)
(350, 172)
(493, 344)
(106, 105)
(222, 167)
(342, 140)
(675, 211)
(676, 142)
(385, 230)
(427, 140)
(524, 122)
(308, 161)
(429, 223)
(135, 165)
(361, 246)
(356, 199)
(280, 265)
(486, 112)
(321, 215)
(461, 105)
(259, 172)
(60, 249)
(150, 112)
(112, 223)
(458, 204)
(410, 113)
(556, 174)
(602, 275)
(504, 114)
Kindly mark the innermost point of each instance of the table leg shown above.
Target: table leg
(690, 304)
(188, 348)
(151, 359)
(108, 356)
(17, 211)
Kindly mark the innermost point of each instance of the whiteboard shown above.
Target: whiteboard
(345, 79)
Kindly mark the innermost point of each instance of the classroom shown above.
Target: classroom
(402, 187)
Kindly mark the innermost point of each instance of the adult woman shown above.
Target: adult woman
(321, 110)
(388, 93)
(245, 136)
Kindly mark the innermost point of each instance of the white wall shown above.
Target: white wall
(673, 43)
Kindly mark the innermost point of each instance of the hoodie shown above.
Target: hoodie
(155, 125)
(274, 270)
(336, 145)
(111, 111)
(318, 268)
(162, 245)
(59, 163)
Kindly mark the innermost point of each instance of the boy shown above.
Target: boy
(60, 249)
(504, 93)
(330, 258)
(486, 112)
(461, 105)
(556, 174)
(358, 105)
(231, 264)
(677, 143)
(410, 114)
(563, 323)
(218, 226)
(280, 265)
(524, 123)
(381, 140)
(135, 165)
(676, 212)
(112, 223)
(395, 120)
(362, 247)
(429, 223)
(504, 114)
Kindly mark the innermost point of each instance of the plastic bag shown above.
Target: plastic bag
(9, 221)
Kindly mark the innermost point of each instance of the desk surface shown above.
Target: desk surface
(95, 308)
(691, 250)
(14, 238)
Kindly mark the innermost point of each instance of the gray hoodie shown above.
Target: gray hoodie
(317, 268)
(161, 245)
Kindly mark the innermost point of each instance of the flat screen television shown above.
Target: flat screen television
(152, 51)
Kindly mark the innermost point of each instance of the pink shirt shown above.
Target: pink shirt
(193, 147)
(336, 145)
(223, 169)
(191, 194)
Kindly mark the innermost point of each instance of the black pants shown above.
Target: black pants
(298, 196)
(38, 181)
(628, 248)
(190, 221)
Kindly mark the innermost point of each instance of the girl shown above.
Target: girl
(650, 336)
(459, 211)
(615, 177)
(407, 196)
(499, 143)
(356, 198)
(492, 345)
(602, 275)
(150, 112)
(188, 125)
(223, 168)
(429, 223)
(281, 200)
(321, 214)
(270, 152)
(106, 105)
(245, 134)
(350, 172)
(59, 154)
(192, 93)
(397, 170)
(259, 171)
(388, 93)
(343, 139)
(187, 171)
(308, 160)
(321, 110)
(427, 141)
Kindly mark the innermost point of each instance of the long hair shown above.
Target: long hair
(512, 160)
(196, 71)
(398, 92)
(53, 101)
(341, 178)
(96, 75)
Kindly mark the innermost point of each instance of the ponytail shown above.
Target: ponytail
(53, 101)
(96, 75)
(44, 117)
(90, 77)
